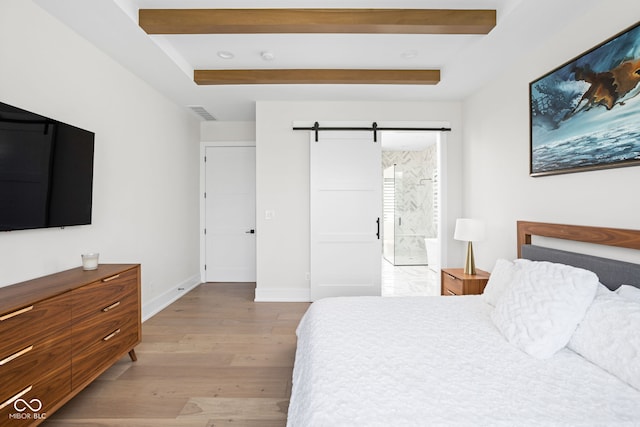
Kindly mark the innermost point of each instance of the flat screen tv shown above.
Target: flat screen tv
(46, 171)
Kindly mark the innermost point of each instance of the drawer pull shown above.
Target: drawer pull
(450, 292)
(111, 335)
(16, 313)
(114, 305)
(108, 279)
(10, 400)
(16, 355)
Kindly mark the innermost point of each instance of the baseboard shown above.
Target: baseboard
(282, 295)
(153, 307)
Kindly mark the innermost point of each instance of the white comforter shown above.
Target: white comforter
(439, 361)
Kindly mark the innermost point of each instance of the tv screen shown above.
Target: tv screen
(46, 171)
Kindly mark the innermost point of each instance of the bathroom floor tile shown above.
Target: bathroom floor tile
(410, 280)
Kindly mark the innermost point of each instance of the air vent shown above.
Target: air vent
(200, 110)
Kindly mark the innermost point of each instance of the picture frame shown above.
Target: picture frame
(585, 114)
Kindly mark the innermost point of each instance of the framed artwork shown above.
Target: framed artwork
(585, 114)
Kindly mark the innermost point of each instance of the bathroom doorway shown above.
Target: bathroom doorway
(411, 202)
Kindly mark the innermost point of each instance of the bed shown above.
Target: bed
(509, 357)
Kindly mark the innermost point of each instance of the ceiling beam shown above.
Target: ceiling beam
(316, 76)
(280, 21)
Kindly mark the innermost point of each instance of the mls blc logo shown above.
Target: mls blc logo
(27, 410)
(22, 405)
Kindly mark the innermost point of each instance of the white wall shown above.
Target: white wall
(496, 182)
(282, 173)
(215, 131)
(145, 193)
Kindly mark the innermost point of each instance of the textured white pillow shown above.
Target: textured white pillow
(504, 273)
(629, 292)
(602, 289)
(609, 336)
(540, 311)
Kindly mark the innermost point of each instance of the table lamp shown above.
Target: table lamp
(469, 230)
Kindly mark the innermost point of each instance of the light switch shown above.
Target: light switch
(269, 214)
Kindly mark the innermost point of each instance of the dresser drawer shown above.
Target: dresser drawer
(42, 396)
(89, 363)
(451, 285)
(94, 329)
(104, 296)
(19, 328)
(29, 364)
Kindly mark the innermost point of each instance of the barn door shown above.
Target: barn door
(346, 205)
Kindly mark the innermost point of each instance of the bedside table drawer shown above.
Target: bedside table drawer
(452, 285)
(454, 281)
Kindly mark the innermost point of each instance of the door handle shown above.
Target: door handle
(378, 225)
(252, 231)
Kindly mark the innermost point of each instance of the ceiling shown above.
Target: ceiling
(167, 62)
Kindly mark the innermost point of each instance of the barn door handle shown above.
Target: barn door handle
(378, 225)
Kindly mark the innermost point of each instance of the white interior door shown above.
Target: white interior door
(346, 205)
(230, 206)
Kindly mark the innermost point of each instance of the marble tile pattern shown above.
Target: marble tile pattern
(415, 191)
(409, 280)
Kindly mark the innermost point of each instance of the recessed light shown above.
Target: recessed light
(409, 54)
(267, 56)
(224, 54)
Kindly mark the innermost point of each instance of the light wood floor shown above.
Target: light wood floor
(212, 358)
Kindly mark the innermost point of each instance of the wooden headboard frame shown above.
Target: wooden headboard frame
(599, 235)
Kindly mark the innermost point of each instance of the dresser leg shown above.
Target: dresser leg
(132, 355)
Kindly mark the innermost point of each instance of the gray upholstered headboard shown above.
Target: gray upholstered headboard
(611, 273)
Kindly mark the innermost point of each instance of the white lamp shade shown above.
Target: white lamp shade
(469, 230)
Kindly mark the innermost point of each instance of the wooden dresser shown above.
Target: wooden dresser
(59, 332)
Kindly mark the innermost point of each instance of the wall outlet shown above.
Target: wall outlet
(307, 276)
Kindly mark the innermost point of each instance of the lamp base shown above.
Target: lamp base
(469, 265)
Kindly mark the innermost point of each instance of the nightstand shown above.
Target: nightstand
(455, 282)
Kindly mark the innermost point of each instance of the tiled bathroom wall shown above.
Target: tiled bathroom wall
(415, 197)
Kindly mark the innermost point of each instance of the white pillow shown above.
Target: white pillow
(540, 311)
(602, 289)
(609, 336)
(504, 273)
(629, 292)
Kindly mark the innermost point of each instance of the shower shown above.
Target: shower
(408, 214)
(410, 169)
